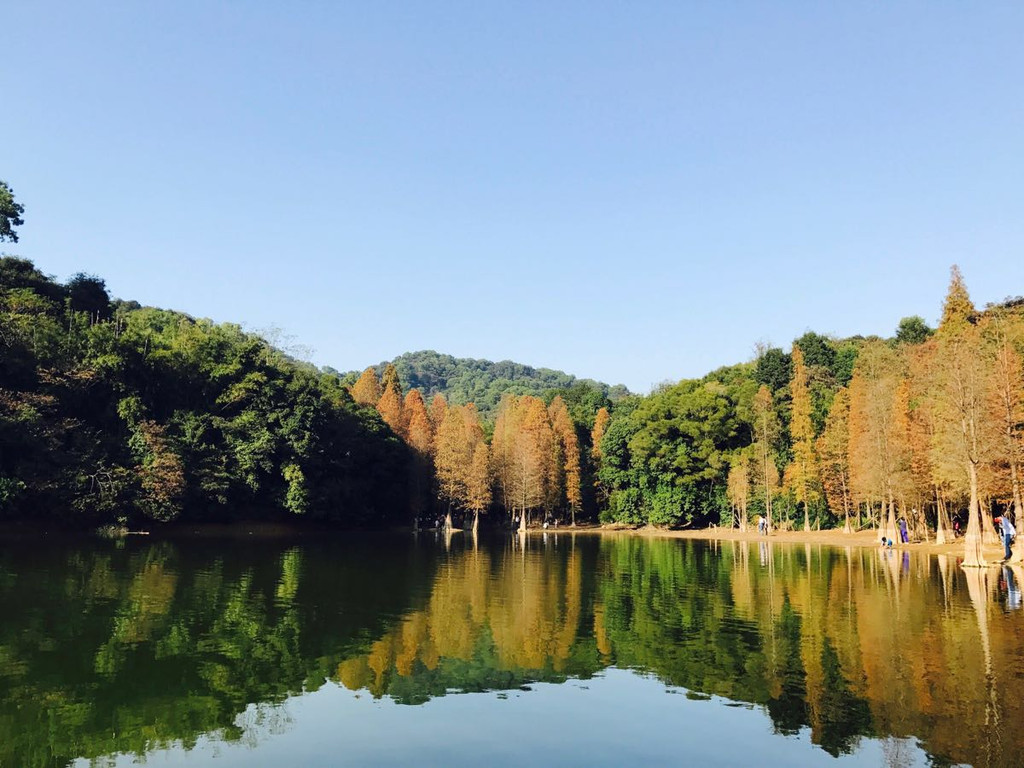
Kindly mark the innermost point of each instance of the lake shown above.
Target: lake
(561, 649)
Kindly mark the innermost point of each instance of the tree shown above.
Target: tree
(804, 472)
(766, 432)
(454, 452)
(88, 293)
(438, 411)
(366, 390)
(390, 405)
(10, 213)
(931, 468)
(452, 456)
(833, 447)
(774, 368)
(738, 487)
(522, 446)
(390, 378)
(420, 437)
(913, 330)
(817, 350)
(957, 310)
(565, 434)
(878, 454)
(960, 394)
(601, 420)
(420, 430)
(478, 485)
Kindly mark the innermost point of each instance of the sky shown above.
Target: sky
(630, 192)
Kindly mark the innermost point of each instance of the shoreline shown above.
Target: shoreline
(993, 553)
(832, 537)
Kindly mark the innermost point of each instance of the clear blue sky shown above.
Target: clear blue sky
(632, 192)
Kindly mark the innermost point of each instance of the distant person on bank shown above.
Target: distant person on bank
(1008, 531)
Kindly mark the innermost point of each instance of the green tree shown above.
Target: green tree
(667, 461)
(913, 330)
(774, 368)
(10, 213)
(88, 293)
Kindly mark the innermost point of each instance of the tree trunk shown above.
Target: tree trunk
(973, 555)
(476, 521)
(807, 517)
(940, 527)
(889, 529)
(989, 536)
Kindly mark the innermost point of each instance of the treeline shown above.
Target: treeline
(536, 462)
(928, 426)
(114, 413)
(482, 382)
(112, 410)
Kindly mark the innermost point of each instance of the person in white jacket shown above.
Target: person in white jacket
(1008, 531)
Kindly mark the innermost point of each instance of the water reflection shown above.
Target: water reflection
(108, 649)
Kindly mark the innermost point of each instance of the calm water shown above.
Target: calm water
(564, 650)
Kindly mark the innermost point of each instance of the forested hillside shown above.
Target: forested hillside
(463, 380)
(112, 411)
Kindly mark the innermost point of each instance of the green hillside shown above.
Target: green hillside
(464, 380)
(113, 410)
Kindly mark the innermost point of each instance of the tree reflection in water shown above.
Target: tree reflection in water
(129, 648)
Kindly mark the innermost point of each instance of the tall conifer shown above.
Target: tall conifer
(833, 454)
(438, 410)
(366, 390)
(390, 405)
(766, 432)
(804, 471)
(565, 434)
(961, 392)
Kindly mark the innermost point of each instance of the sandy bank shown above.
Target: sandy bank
(836, 538)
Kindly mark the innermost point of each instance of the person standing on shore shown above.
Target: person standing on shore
(1008, 531)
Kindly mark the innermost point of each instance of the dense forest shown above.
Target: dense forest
(112, 410)
(112, 413)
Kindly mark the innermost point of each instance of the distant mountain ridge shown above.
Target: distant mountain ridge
(483, 382)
